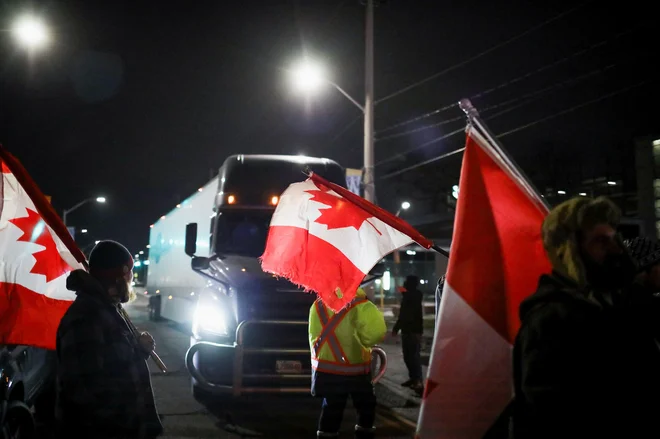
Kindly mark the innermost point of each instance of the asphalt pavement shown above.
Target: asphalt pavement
(269, 416)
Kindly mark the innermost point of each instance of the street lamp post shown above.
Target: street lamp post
(369, 181)
(309, 76)
(82, 203)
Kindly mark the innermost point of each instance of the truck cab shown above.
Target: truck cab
(248, 328)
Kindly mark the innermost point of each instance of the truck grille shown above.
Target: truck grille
(276, 336)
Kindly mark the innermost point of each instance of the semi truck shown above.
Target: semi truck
(248, 328)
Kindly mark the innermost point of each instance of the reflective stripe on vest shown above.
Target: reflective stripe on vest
(341, 364)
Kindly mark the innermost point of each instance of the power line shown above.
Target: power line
(520, 128)
(531, 97)
(425, 127)
(519, 78)
(485, 52)
(430, 142)
(415, 119)
(576, 107)
(346, 128)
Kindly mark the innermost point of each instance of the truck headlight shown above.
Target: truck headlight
(210, 317)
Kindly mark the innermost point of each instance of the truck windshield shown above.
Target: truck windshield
(242, 232)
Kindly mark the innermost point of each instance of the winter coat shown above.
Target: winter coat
(585, 364)
(359, 330)
(411, 316)
(103, 381)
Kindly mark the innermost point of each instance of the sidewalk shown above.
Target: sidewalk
(404, 402)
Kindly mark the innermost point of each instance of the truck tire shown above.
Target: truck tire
(44, 407)
(18, 422)
(202, 396)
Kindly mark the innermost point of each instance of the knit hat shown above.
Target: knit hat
(644, 251)
(110, 260)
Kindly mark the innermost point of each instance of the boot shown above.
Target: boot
(364, 433)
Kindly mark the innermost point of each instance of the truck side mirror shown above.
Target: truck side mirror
(191, 239)
(200, 263)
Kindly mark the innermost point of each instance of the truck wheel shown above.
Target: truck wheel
(19, 423)
(44, 406)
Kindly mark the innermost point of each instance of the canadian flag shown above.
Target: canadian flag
(496, 259)
(327, 239)
(36, 255)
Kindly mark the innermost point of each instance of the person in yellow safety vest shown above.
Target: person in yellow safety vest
(341, 345)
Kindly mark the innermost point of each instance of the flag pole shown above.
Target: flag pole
(475, 121)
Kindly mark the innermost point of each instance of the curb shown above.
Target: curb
(390, 397)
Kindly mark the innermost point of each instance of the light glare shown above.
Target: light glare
(307, 76)
(30, 32)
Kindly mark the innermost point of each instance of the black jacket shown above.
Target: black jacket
(411, 317)
(103, 381)
(585, 365)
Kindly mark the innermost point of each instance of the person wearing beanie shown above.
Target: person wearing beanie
(579, 362)
(103, 381)
(411, 325)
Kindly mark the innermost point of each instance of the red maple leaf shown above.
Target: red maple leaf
(49, 261)
(339, 213)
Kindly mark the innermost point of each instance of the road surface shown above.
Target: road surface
(253, 416)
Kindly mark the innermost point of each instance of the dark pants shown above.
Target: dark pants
(412, 347)
(332, 410)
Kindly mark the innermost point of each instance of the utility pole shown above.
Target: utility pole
(369, 180)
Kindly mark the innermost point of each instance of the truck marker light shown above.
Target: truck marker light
(231, 199)
(192, 293)
(178, 206)
(151, 226)
(157, 291)
(200, 189)
(170, 298)
(162, 217)
(274, 200)
(242, 269)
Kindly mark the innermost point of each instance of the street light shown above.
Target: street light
(404, 206)
(30, 32)
(82, 203)
(310, 76)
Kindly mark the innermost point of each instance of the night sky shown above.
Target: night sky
(142, 101)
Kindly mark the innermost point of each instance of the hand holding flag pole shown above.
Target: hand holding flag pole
(154, 356)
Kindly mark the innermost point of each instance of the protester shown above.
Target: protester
(103, 382)
(580, 366)
(341, 362)
(411, 325)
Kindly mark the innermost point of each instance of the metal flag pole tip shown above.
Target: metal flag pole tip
(467, 107)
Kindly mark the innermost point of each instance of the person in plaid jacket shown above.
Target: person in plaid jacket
(103, 381)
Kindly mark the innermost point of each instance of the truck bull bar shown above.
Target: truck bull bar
(240, 351)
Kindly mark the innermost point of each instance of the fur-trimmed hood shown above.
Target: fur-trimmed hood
(561, 229)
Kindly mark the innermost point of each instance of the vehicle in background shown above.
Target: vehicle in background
(27, 376)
